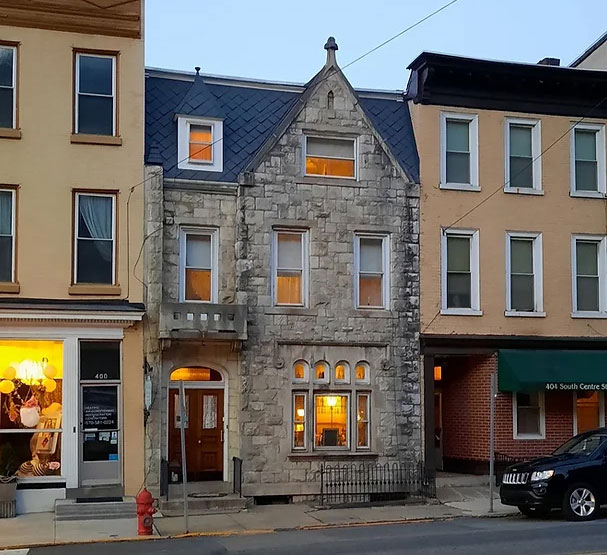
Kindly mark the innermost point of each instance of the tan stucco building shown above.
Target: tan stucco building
(71, 210)
(512, 253)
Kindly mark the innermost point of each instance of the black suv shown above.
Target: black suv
(574, 477)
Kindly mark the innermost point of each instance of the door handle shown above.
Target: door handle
(199, 441)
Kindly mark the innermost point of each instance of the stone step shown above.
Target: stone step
(460, 480)
(200, 505)
(68, 509)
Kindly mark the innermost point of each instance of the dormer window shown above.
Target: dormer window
(200, 144)
(330, 157)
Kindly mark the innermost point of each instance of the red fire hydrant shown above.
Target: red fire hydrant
(145, 510)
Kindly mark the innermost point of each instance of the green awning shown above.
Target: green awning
(551, 370)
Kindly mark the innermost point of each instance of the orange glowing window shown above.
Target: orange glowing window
(201, 143)
(289, 268)
(342, 372)
(198, 271)
(330, 157)
(299, 421)
(300, 371)
(331, 421)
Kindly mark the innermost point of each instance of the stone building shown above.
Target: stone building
(282, 272)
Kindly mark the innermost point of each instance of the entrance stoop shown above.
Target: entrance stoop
(204, 503)
(95, 509)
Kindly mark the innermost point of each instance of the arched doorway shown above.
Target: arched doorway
(204, 434)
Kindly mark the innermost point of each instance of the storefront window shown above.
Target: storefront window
(31, 407)
(331, 420)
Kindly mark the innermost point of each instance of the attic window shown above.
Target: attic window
(330, 157)
(200, 144)
(330, 100)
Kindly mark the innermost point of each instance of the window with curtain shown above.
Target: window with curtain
(587, 276)
(457, 155)
(95, 238)
(8, 86)
(201, 143)
(289, 267)
(198, 274)
(7, 235)
(330, 157)
(586, 160)
(371, 270)
(95, 94)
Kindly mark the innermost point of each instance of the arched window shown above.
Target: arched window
(301, 371)
(362, 372)
(342, 372)
(321, 372)
(196, 374)
(330, 100)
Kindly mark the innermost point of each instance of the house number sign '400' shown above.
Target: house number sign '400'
(102, 376)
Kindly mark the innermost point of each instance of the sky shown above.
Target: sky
(282, 40)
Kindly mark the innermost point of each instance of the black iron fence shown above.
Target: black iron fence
(237, 487)
(345, 484)
(501, 462)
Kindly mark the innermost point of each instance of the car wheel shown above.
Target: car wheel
(533, 512)
(581, 502)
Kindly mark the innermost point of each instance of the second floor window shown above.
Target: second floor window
(290, 267)
(588, 160)
(8, 86)
(524, 262)
(371, 271)
(330, 157)
(589, 274)
(460, 272)
(95, 110)
(198, 265)
(459, 156)
(7, 235)
(95, 249)
(523, 150)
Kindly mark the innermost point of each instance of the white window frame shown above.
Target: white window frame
(15, 84)
(353, 140)
(475, 296)
(183, 144)
(114, 233)
(542, 406)
(366, 394)
(601, 410)
(538, 277)
(213, 234)
(324, 380)
(305, 421)
(599, 129)
(304, 268)
(602, 269)
(13, 193)
(346, 379)
(346, 394)
(473, 145)
(385, 270)
(536, 149)
(306, 366)
(77, 87)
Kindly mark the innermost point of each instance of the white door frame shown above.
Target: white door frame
(601, 410)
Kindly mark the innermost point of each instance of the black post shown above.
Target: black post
(429, 449)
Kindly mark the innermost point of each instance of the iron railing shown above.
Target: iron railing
(351, 484)
(237, 486)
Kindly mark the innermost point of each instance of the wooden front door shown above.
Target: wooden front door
(203, 435)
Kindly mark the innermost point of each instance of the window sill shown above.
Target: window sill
(323, 180)
(460, 312)
(9, 133)
(595, 315)
(530, 437)
(94, 289)
(372, 312)
(9, 287)
(460, 187)
(83, 139)
(587, 194)
(523, 191)
(331, 455)
(201, 167)
(291, 311)
(516, 313)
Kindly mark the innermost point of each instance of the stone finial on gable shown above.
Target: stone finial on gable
(331, 47)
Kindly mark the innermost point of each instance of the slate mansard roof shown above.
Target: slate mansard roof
(251, 111)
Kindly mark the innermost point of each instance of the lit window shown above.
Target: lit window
(523, 165)
(460, 274)
(299, 421)
(330, 157)
(199, 144)
(8, 86)
(290, 262)
(300, 371)
(529, 417)
(588, 160)
(331, 417)
(198, 273)
(321, 372)
(459, 157)
(95, 248)
(7, 235)
(201, 140)
(362, 372)
(95, 94)
(589, 266)
(362, 420)
(524, 260)
(372, 270)
(342, 372)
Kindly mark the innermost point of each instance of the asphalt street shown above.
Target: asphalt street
(464, 535)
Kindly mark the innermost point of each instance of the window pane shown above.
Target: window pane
(521, 256)
(586, 257)
(34, 455)
(370, 290)
(201, 152)
(585, 145)
(331, 412)
(94, 264)
(458, 167)
(6, 67)
(521, 172)
(321, 371)
(95, 217)
(299, 421)
(371, 255)
(6, 108)
(201, 134)
(6, 259)
(299, 371)
(588, 293)
(458, 254)
(458, 291)
(95, 75)
(362, 420)
(329, 166)
(289, 251)
(95, 115)
(198, 251)
(6, 212)
(100, 360)
(288, 288)
(334, 148)
(458, 136)
(197, 285)
(341, 372)
(362, 373)
(528, 420)
(522, 293)
(520, 141)
(586, 178)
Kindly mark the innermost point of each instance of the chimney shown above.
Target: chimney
(331, 47)
(549, 62)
